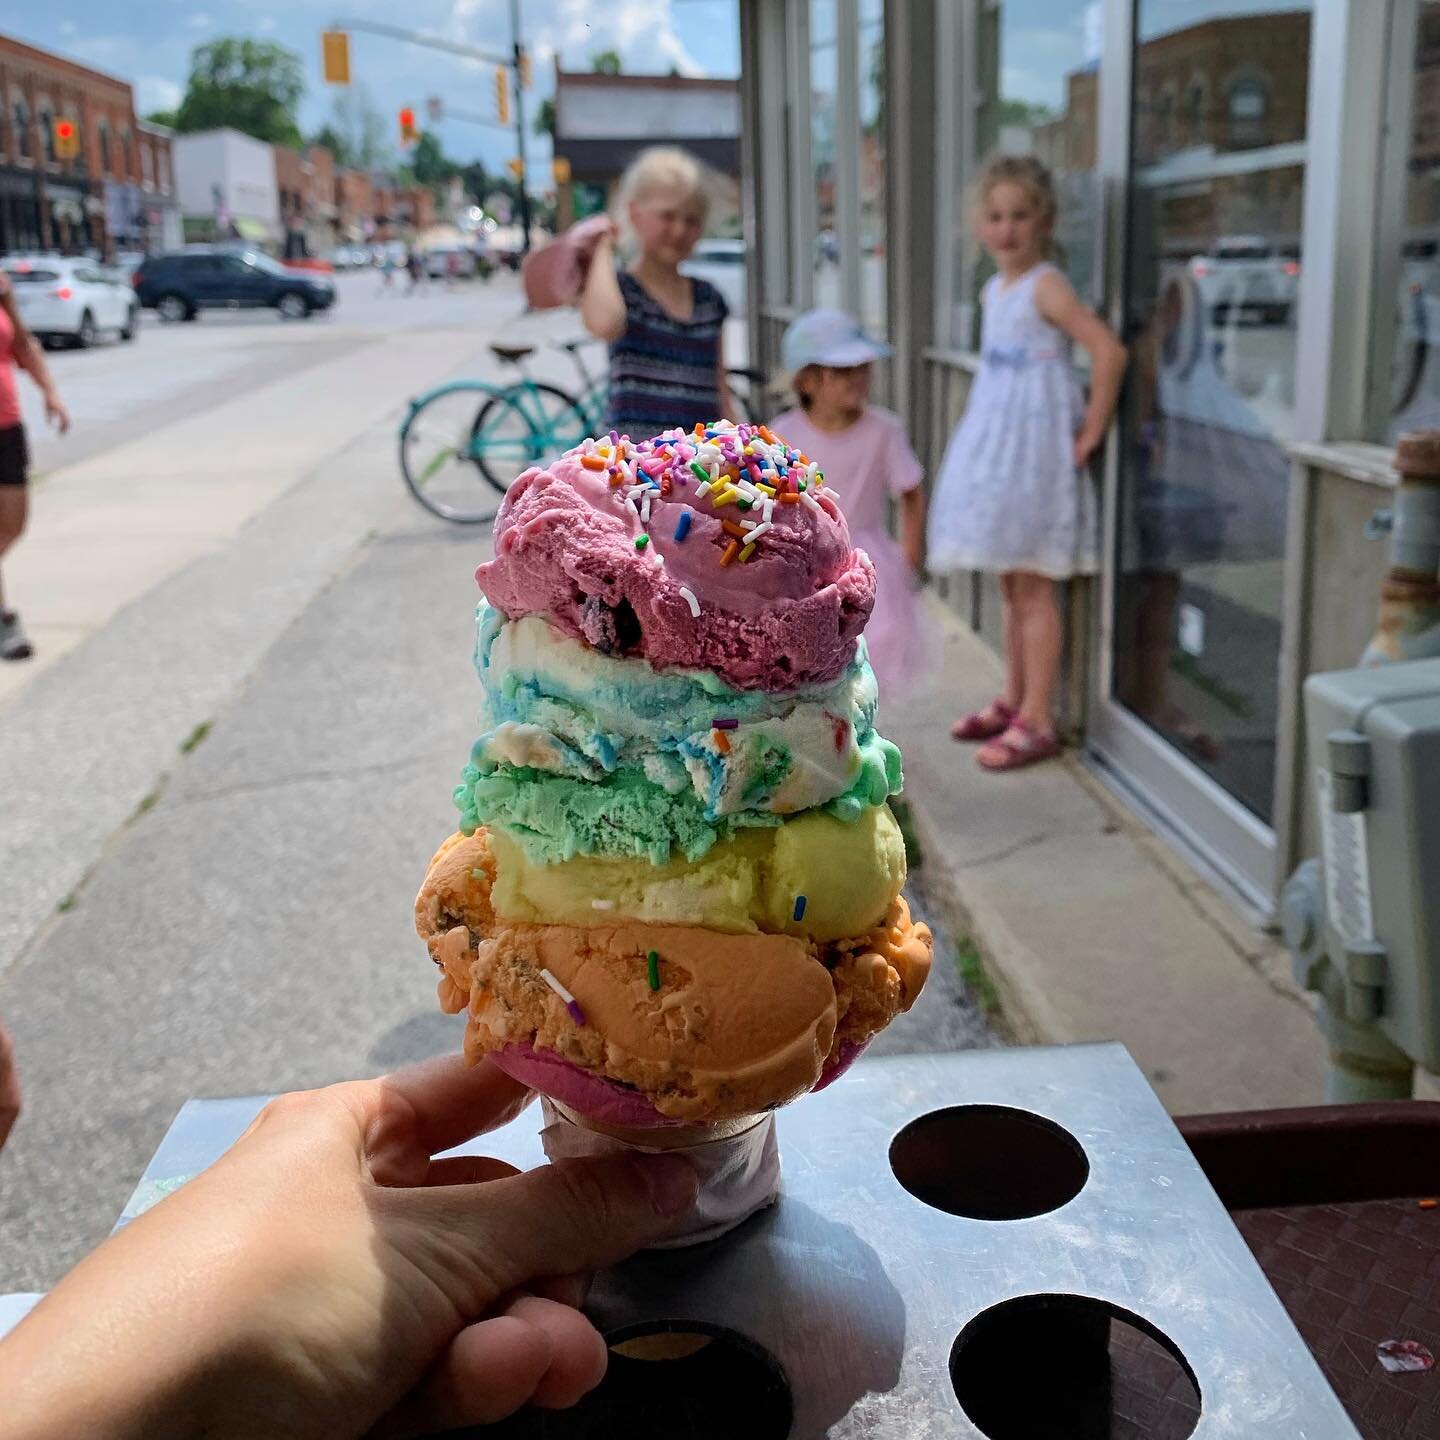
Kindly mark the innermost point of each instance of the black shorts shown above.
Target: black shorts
(14, 456)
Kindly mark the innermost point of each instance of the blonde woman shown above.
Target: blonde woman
(667, 364)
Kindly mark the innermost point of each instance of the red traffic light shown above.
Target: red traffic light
(64, 130)
(407, 117)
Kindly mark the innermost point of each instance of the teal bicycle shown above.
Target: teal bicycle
(462, 443)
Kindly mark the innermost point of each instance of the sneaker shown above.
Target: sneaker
(13, 642)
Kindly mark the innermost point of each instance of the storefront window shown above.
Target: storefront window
(1212, 275)
(1415, 369)
(823, 135)
(1038, 79)
(21, 113)
(47, 131)
(872, 165)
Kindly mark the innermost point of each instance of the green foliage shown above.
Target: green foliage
(605, 62)
(162, 117)
(432, 166)
(1022, 112)
(253, 86)
(332, 140)
(363, 132)
(545, 117)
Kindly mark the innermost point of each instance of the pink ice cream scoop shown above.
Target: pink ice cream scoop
(604, 1100)
(632, 550)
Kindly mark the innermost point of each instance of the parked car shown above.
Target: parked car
(722, 263)
(126, 263)
(349, 257)
(178, 285)
(71, 299)
(437, 261)
(1250, 276)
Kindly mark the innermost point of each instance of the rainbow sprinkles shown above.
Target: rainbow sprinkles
(746, 466)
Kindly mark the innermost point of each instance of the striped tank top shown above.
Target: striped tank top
(664, 371)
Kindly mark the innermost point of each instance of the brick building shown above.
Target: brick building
(46, 202)
(309, 213)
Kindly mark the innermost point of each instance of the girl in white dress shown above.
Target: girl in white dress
(1013, 494)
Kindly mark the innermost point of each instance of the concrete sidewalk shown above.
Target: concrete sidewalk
(1091, 927)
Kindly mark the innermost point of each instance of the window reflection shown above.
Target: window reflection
(823, 73)
(1415, 368)
(872, 165)
(1213, 277)
(1038, 69)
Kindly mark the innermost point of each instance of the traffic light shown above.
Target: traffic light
(560, 169)
(67, 140)
(335, 56)
(524, 66)
(516, 166)
(409, 132)
(502, 95)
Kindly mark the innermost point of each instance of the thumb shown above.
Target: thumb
(569, 1216)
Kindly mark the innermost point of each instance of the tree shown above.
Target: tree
(162, 117)
(545, 117)
(363, 132)
(329, 138)
(605, 62)
(432, 166)
(254, 86)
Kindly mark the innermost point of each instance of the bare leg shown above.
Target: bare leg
(14, 506)
(1038, 621)
(1014, 649)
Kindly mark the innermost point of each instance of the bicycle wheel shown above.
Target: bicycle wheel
(528, 424)
(438, 454)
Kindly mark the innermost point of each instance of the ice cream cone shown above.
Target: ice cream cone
(737, 1161)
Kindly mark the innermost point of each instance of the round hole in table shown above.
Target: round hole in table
(1072, 1366)
(989, 1162)
(669, 1379)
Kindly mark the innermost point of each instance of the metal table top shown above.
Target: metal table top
(859, 1289)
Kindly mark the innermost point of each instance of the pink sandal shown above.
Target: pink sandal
(1017, 747)
(984, 724)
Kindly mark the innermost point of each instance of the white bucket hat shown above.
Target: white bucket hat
(828, 337)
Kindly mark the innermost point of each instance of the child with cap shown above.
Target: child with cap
(864, 450)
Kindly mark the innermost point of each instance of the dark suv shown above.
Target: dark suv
(207, 277)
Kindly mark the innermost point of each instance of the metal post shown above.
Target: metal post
(520, 127)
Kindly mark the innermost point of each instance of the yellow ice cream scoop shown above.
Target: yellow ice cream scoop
(814, 876)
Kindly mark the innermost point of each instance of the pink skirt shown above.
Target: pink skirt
(900, 634)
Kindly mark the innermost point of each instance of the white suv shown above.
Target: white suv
(1248, 276)
(71, 298)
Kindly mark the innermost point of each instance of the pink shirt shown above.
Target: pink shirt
(866, 463)
(9, 391)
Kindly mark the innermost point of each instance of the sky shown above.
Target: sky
(148, 42)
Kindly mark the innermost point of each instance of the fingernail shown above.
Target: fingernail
(672, 1182)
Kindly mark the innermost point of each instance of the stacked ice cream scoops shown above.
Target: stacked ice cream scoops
(674, 898)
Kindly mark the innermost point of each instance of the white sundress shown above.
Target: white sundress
(1008, 495)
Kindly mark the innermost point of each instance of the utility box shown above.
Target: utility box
(1375, 738)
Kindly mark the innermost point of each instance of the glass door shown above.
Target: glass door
(1212, 260)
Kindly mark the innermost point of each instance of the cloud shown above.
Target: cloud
(643, 31)
(265, 24)
(200, 21)
(68, 27)
(155, 92)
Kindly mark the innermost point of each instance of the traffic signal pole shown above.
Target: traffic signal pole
(513, 62)
(522, 178)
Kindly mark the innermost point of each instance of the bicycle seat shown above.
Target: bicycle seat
(511, 353)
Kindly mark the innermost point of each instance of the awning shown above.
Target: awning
(249, 229)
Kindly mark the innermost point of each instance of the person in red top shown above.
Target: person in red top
(18, 349)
